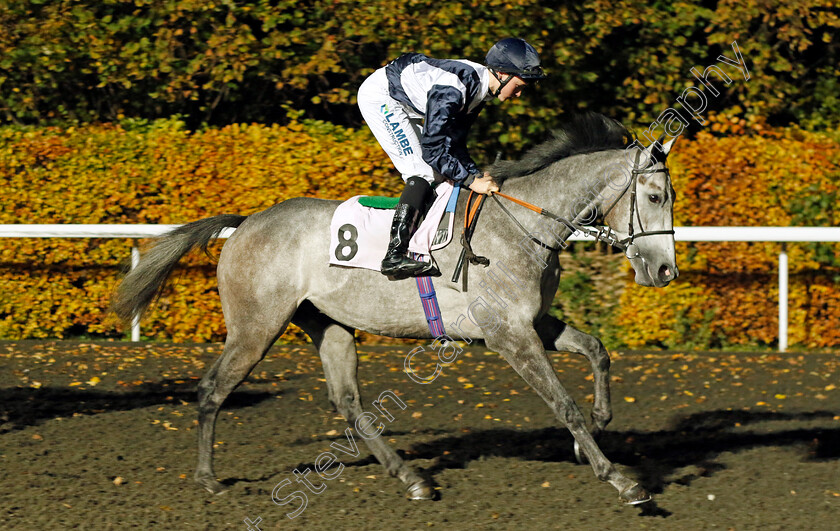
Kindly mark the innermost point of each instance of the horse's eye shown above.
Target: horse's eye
(654, 198)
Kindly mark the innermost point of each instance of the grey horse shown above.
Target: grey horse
(274, 270)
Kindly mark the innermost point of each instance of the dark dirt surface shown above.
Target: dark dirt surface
(102, 436)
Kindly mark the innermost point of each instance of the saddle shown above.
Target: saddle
(360, 228)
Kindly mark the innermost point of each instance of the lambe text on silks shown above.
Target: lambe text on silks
(397, 134)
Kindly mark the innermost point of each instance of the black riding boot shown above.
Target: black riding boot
(396, 263)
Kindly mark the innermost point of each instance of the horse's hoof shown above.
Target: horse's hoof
(634, 495)
(579, 456)
(420, 491)
(211, 485)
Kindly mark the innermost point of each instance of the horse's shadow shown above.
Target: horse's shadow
(656, 457)
(698, 439)
(21, 407)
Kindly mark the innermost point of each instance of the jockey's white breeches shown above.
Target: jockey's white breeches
(398, 128)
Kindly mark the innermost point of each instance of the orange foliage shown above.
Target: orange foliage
(727, 293)
(162, 173)
(153, 173)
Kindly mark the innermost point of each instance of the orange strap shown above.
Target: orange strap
(472, 208)
(520, 202)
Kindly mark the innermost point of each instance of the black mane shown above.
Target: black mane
(585, 133)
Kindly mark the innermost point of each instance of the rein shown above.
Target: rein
(604, 234)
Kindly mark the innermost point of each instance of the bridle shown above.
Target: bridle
(604, 234)
(627, 242)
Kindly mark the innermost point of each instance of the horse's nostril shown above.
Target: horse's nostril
(665, 273)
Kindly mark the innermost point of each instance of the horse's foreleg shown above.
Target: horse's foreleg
(523, 349)
(338, 355)
(557, 335)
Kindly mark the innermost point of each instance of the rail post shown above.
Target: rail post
(135, 320)
(783, 299)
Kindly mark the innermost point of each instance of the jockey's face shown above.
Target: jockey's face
(513, 89)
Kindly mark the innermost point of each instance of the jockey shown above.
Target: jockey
(420, 110)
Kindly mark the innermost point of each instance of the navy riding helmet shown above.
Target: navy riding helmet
(517, 57)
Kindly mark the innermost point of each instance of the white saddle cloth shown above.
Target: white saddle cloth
(359, 235)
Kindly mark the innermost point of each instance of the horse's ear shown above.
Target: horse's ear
(666, 148)
(662, 152)
(661, 138)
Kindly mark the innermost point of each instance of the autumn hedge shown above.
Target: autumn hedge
(152, 173)
(159, 172)
(727, 294)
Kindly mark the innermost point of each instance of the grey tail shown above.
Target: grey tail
(142, 285)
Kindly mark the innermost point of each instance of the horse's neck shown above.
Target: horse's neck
(562, 186)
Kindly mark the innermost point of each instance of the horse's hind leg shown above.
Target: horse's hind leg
(337, 350)
(244, 348)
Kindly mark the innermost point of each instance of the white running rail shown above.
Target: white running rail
(685, 234)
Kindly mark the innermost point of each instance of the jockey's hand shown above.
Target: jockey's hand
(484, 185)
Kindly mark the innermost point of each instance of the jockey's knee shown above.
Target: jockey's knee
(417, 193)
